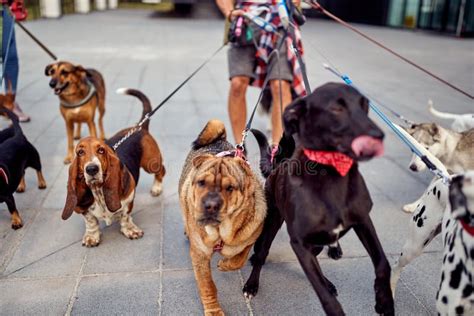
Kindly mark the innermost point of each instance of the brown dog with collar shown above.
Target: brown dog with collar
(81, 91)
(223, 206)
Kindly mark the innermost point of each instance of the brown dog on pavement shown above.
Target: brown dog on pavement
(81, 91)
(223, 206)
(102, 182)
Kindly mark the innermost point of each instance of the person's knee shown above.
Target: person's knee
(238, 85)
(275, 86)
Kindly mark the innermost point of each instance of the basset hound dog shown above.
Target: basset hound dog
(102, 182)
(81, 91)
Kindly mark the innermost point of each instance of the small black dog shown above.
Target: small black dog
(315, 186)
(16, 154)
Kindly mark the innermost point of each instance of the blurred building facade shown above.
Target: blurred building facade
(447, 16)
(450, 16)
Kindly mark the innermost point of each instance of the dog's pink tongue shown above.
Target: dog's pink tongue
(367, 146)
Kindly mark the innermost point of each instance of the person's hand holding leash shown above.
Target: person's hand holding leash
(232, 14)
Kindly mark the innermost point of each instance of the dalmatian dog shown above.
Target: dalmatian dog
(423, 226)
(448, 210)
(456, 289)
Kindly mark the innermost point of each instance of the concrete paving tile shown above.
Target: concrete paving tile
(421, 278)
(47, 235)
(35, 297)
(124, 294)
(180, 287)
(297, 297)
(116, 253)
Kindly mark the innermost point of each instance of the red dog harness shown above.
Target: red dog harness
(342, 163)
(3, 174)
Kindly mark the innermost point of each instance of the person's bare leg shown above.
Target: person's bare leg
(277, 129)
(238, 105)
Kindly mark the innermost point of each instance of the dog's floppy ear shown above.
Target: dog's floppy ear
(199, 160)
(47, 70)
(80, 70)
(113, 181)
(292, 115)
(71, 198)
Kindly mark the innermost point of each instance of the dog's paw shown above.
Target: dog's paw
(250, 289)
(156, 189)
(132, 232)
(42, 186)
(331, 287)
(67, 160)
(214, 312)
(90, 241)
(227, 265)
(335, 253)
(409, 208)
(17, 224)
(20, 189)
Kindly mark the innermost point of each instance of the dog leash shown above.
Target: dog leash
(37, 41)
(239, 148)
(433, 163)
(147, 117)
(315, 5)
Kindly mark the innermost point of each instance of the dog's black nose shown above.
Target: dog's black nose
(376, 133)
(413, 168)
(212, 203)
(92, 170)
(53, 83)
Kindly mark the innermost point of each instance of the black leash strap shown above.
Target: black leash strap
(314, 4)
(147, 117)
(276, 52)
(37, 41)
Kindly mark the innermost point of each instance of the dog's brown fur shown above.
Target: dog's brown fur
(7, 100)
(73, 80)
(239, 219)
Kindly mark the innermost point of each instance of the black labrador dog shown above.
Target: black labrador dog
(315, 186)
(16, 154)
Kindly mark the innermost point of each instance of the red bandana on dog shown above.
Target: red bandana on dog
(468, 228)
(3, 174)
(338, 161)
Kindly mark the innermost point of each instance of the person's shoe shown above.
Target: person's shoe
(21, 116)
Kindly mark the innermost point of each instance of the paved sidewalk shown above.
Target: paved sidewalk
(44, 270)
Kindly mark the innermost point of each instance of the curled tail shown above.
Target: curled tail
(143, 98)
(286, 147)
(439, 114)
(13, 118)
(212, 132)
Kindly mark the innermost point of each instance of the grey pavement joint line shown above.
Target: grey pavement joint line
(6, 277)
(412, 293)
(11, 252)
(73, 297)
(54, 252)
(160, 267)
(247, 301)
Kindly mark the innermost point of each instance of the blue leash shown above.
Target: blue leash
(394, 128)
